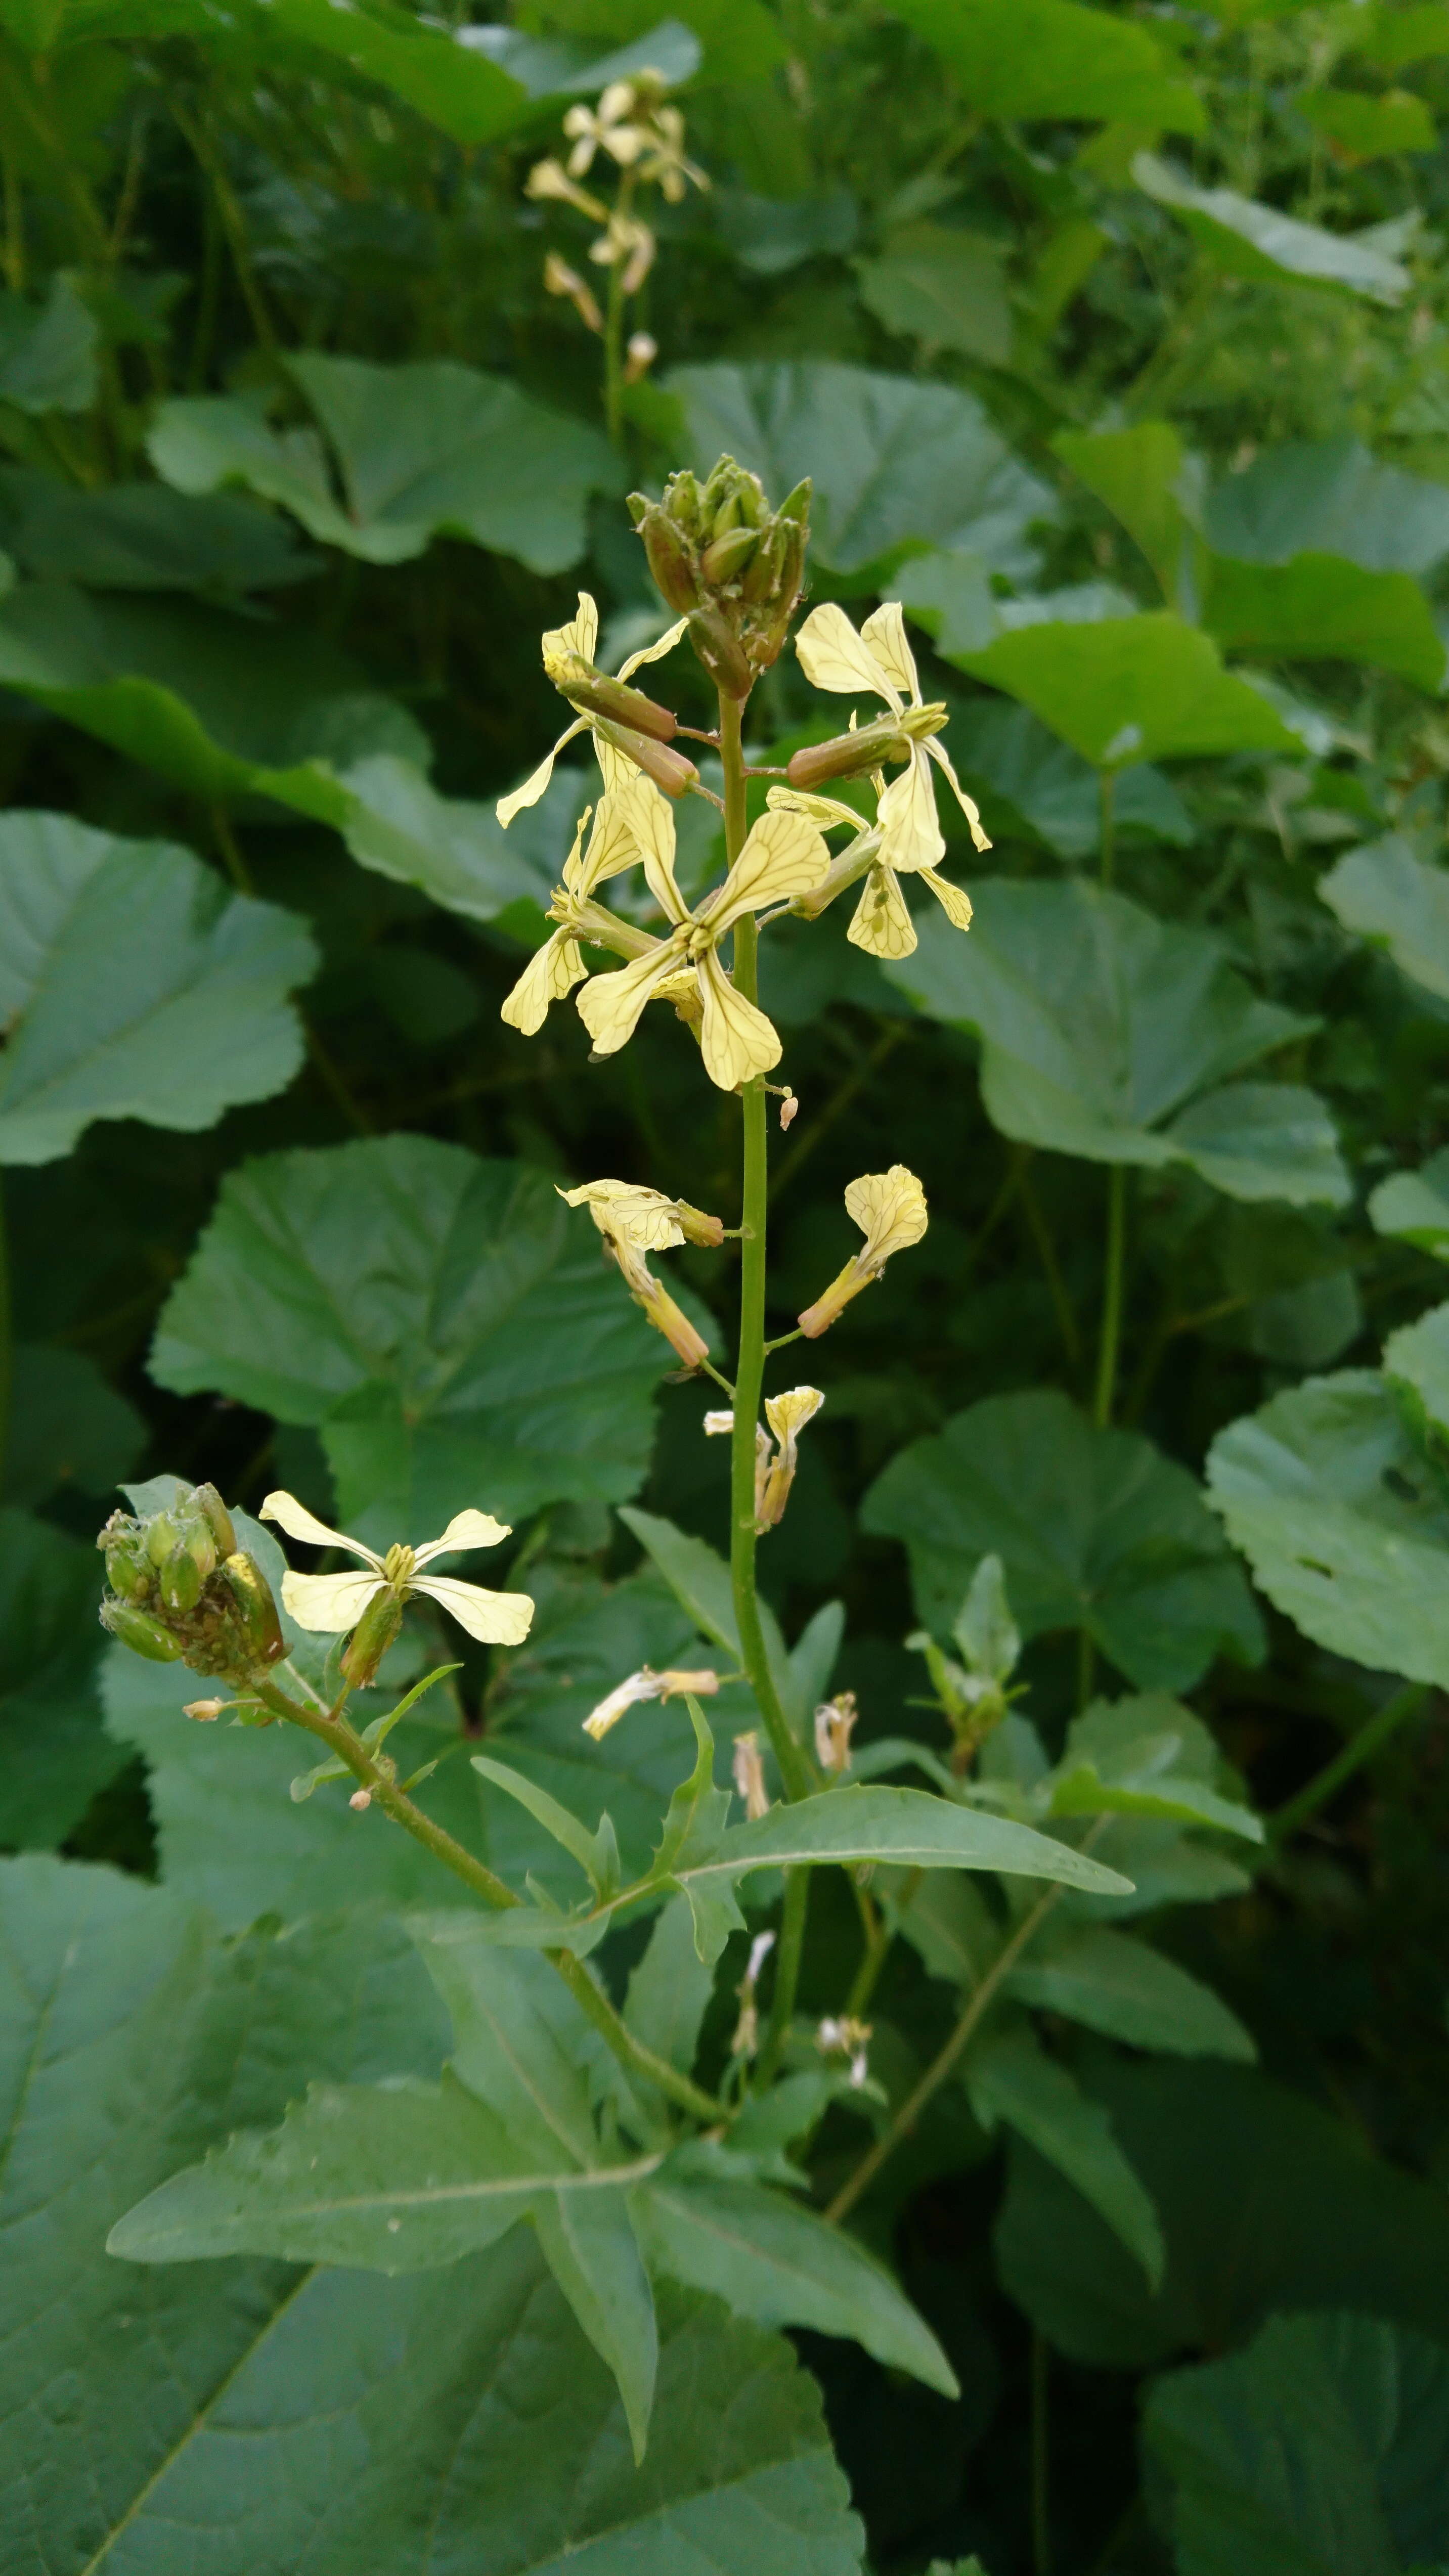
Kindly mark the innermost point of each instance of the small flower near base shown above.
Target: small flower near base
(206, 1710)
(644, 1684)
(361, 1799)
(370, 1603)
(749, 1776)
(890, 1210)
(834, 1725)
(841, 2035)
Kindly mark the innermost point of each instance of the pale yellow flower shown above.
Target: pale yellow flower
(625, 239)
(787, 1416)
(568, 649)
(646, 1685)
(664, 160)
(560, 279)
(880, 661)
(550, 181)
(554, 969)
(748, 1771)
(336, 1602)
(650, 1221)
(890, 1209)
(841, 2035)
(611, 130)
(784, 855)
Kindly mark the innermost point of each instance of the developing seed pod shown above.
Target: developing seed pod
(259, 1628)
(848, 755)
(375, 1631)
(605, 697)
(668, 769)
(721, 652)
(138, 1630)
(181, 1579)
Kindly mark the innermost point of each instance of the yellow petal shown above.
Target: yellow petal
(954, 901)
(533, 786)
(788, 1414)
(833, 656)
(328, 1601)
(736, 1040)
(616, 767)
(882, 924)
(910, 832)
(609, 1005)
(612, 848)
(653, 652)
(494, 1618)
(826, 811)
(298, 1522)
(890, 1210)
(575, 642)
(649, 817)
(465, 1529)
(784, 855)
(549, 976)
(885, 632)
(936, 750)
(644, 1217)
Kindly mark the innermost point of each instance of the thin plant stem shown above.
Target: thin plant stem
(1107, 843)
(1041, 1236)
(614, 328)
(943, 2063)
(14, 223)
(1110, 1341)
(319, 1055)
(1360, 1748)
(332, 1729)
(877, 1945)
(750, 1369)
(787, 1974)
(1041, 2522)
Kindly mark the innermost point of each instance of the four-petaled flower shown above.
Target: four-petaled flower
(783, 856)
(880, 661)
(337, 1601)
(568, 651)
(890, 1210)
(882, 923)
(665, 163)
(554, 969)
(609, 129)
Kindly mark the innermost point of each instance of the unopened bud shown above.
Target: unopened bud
(721, 652)
(138, 1630)
(261, 1629)
(789, 1110)
(728, 555)
(614, 698)
(360, 1799)
(161, 1535)
(670, 557)
(375, 1631)
(180, 1583)
(128, 1569)
(206, 1711)
(640, 355)
(669, 769)
(207, 1501)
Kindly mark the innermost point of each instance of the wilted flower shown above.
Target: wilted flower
(746, 2040)
(646, 1685)
(841, 2035)
(568, 655)
(783, 855)
(560, 279)
(549, 181)
(834, 1725)
(633, 1221)
(720, 1419)
(890, 1209)
(880, 661)
(338, 1602)
(749, 1776)
(787, 1416)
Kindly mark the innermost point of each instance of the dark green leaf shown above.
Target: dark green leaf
(1392, 898)
(53, 1753)
(1030, 58)
(943, 287)
(1123, 689)
(141, 536)
(1415, 1206)
(1320, 607)
(1329, 496)
(1014, 2080)
(1126, 1990)
(1258, 242)
(48, 353)
(67, 1427)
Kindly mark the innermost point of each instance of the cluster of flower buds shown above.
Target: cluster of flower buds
(182, 1591)
(644, 138)
(729, 563)
(974, 1695)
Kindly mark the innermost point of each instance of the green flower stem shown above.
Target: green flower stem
(1107, 843)
(342, 1740)
(787, 1976)
(1360, 1748)
(1111, 1334)
(614, 328)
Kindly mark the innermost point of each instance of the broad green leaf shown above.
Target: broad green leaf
(54, 1755)
(142, 536)
(903, 1826)
(1363, 128)
(741, 40)
(421, 451)
(426, 63)
(1328, 496)
(1010, 2078)
(1321, 2450)
(68, 1429)
(1258, 242)
(1123, 1988)
(946, 288)
(133, 985)
(892, 458)
(1320, 607)
(1416, 1359)
(549, 69)
(1110, 1034)
(1266, 2202)
(1393, 38)
(1393, 899)
(1052, 58)
(210, 2397)
(396, 823)
(670, 1989)
(772, 234)
(1124, 689)
(521, 2043)
(1415, 1206)
(48, 353)
(1142, 475)
(700, 1582)
(451, 1333)
(782, 2266)
(1033, 784)
(1341, 1517)
(1096, 1530)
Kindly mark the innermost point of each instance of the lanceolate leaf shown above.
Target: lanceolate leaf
(1011, 2079)
(1258, 242)
(1128, 1991)
(904, 1826)
(133, 986)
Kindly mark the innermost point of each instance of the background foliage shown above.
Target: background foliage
(1116, 344)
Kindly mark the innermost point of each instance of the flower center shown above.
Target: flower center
(397, 1566)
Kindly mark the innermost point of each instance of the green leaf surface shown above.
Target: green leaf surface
(1341, 1517)
(1320, 607)
(1096, 1530)
(943, 287)
(54, 1755)
(670, 1989)
(1141, 473)
(1011, 2079)
(1110, 1034)
(1126, 1990)
(1414, 1206)
(133, 986)
(1052, 58)
(142, 536)
(782, 2266)
(1364, 128)
(903, 1826)
(1033, 785)
(1397, 902)
(1257, 242)
(1123, 689)
(1416, 1360)
(892, 458)
(440, 1319)
(700, 1582)
(425, 63)
(421, 451)
(521, 2043)
(1266, 2202)
(331, 2414)
(48, 352)
(1328, 496)
(68, 1429)
(1322, 2450)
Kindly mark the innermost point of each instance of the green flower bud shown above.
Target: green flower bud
(375, 1631)
(259, 1628)
(671, 561)
(728, 555)
(721, 652)
(138, 1630)
(796, 505)
(181, 1579)
(213, 1510)
(668, 769)
(162, 1532)
(128, 1568)
(681, 501)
